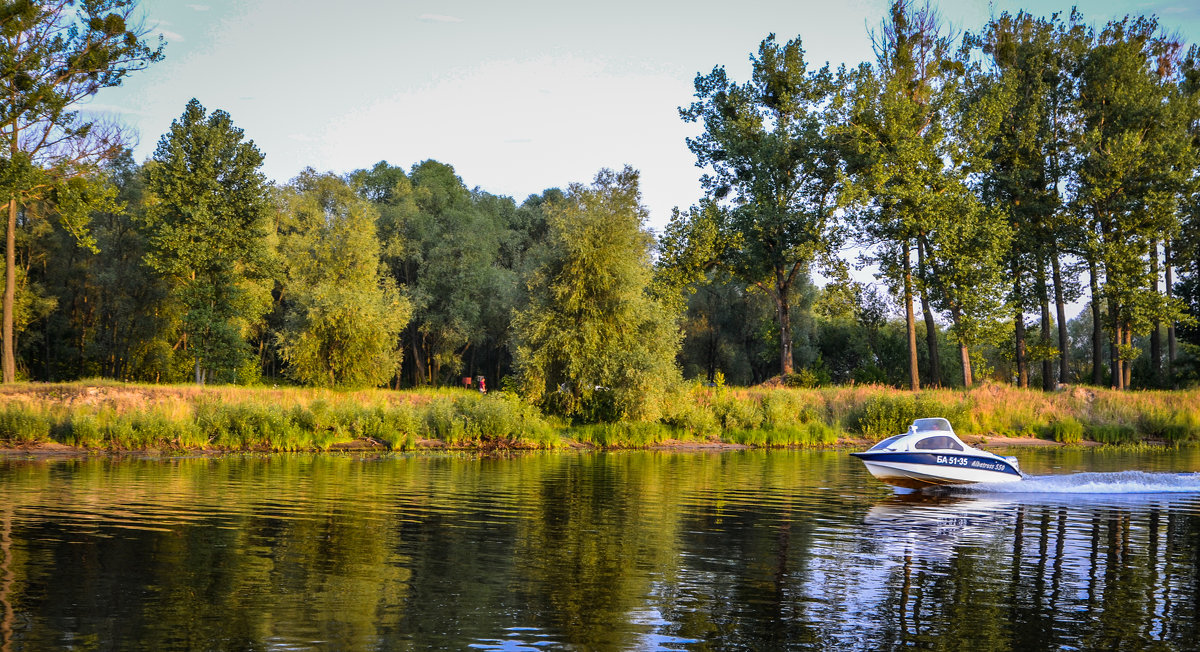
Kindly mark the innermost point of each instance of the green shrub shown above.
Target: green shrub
(623, 434)
(1183, 426)
(883, 416)
(23, 425)
(693, 419)
(745, 437)
(1154, 421)
(1113, 433)
(736, 413)
(822, 433)
(84, 430)
(443, 420)
(396, 427)
(1067, 430)
(869, 375)
(813, 433)
(784, 408)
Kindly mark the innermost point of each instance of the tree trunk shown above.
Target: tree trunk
(1171, 324)
(1049, 382)
(964, 352)
(931, 334)
(914, 376)
(1022, 360)
(1127, 365)
(418, 358)
(1118, 374)
(1097, 326)
(783, 314)
(1064, 353)
(1019, 330)
(10, 292)
(1155, 334)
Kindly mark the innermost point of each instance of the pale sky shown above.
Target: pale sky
(518, 96)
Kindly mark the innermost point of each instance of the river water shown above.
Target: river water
(594, 551)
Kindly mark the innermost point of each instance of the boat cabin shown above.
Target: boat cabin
(933, 434)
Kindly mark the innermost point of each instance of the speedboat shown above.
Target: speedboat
(931, 454)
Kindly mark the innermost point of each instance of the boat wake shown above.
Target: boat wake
(1123, 482)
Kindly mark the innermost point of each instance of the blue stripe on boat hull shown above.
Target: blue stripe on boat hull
(946, 460)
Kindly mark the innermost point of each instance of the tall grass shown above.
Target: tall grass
(271, 420)
(638, 434)
(1067, 430)
(115, 416)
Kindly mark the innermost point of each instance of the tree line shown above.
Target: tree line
(991, 178)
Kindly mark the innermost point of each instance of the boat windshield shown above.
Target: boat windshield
(935, 424)
(938, 442)
(885, 443)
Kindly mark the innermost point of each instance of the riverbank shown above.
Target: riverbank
(71, 418)
(53, 450)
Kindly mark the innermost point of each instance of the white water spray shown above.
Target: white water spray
(1123, 482)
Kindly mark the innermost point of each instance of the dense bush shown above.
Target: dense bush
(890, 414)
(1113, 433)
(21, 424)
(1067, 430)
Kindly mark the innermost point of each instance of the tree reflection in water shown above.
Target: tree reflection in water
(645, 550)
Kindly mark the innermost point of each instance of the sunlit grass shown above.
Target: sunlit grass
(106, 415)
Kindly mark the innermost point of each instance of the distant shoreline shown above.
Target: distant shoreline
(55, 450)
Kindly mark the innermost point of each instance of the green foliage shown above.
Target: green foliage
(593, 343)
(57, 55)
(694, 421)
(907, 135)
(460, 256)
(1172, 425)
(1067, 430)
(727, 330)
(811, 434)
(765, 144)
(1136, 169)
(890, 414)
(737, 413)
(1183, 426)
(343, 318)
(781, 409)
(127, 333)
(682, 410)
(621, 435)
(22, 425)
(208, 236)
(807, 378)
(498, 417)
(1113, 433)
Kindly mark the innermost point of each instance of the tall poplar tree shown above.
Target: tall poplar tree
(1136, 155)
(53, 55)
(1035, 60)
(765, 144)
(894, 134)
(208, 232)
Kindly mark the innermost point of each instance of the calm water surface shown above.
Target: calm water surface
(637, 550)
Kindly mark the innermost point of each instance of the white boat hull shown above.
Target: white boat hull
(915, 476)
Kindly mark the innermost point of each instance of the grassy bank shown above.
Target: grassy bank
(115, 416)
